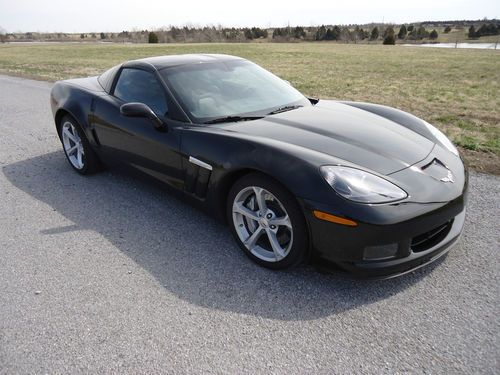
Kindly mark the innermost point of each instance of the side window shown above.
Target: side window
(135, 85)
(106, 78)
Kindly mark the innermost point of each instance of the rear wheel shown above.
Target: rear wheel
(76, 147)
(267, 222)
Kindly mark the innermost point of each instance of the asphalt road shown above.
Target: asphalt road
(108, 274)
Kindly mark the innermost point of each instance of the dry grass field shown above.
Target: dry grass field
(458, 90)
(460, 35)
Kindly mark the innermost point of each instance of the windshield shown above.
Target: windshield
(209, 91)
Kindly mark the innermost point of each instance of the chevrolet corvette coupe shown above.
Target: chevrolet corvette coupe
(366, 188)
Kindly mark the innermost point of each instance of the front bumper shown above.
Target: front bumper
(413, 243)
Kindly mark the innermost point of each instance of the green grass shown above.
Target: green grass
(457, 90)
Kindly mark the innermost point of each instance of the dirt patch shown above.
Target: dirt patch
(485, 162)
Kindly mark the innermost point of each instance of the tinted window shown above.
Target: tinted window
(135, 85)
(106, 78)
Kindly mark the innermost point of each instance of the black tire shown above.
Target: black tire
(91, 163)
(300, 244)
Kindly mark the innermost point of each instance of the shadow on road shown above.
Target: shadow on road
(187, 252)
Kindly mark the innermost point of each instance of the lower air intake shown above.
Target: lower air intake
(431, 238)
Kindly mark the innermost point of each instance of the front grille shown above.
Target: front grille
(431, 238)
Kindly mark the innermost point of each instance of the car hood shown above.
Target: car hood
(344, 132)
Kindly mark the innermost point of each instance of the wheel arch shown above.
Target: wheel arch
(81, 119)
(61, 112)
(224, 185)
(68, 100)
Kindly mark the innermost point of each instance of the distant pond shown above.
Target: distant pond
(457, 45)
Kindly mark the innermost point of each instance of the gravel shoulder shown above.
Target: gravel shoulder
(110, 274)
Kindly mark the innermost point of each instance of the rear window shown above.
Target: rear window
(106, 78)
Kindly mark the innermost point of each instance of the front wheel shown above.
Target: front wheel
(76, 147)
(267, 222)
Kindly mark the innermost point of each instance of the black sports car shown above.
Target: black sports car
(364, 187)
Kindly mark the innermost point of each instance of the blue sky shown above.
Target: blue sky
(101, 15)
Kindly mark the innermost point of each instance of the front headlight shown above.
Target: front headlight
(443, 139)
(360, 186)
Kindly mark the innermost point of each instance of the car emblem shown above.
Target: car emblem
(439, 171)
(448, 178)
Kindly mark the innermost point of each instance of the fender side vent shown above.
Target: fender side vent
(197, 179)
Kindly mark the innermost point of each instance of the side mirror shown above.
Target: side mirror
(141, 110)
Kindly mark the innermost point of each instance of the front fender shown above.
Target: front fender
(70, 99)
(228, 153)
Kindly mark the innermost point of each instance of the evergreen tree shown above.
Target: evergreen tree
(320, 33)
(472, 32)
(362, 34)
(329, 34)
(487, 29)
(422, 33)
(299, 33)
(374, 35)
(389, 37)
(402, 32)
(336, 33)
(152, 37)
(248, 34)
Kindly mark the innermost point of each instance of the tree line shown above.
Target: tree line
(387, 34)
(484, 30)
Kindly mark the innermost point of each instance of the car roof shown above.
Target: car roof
(161, 62)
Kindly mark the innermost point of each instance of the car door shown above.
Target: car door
(135, 140)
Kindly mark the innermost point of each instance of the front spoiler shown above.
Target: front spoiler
(398, 267)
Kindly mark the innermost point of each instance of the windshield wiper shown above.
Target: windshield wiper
(284, 109)
(232, 119)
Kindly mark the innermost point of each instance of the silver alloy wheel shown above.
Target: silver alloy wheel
(262, 224)
(73, 146)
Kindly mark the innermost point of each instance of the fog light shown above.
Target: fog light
(380, 252)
